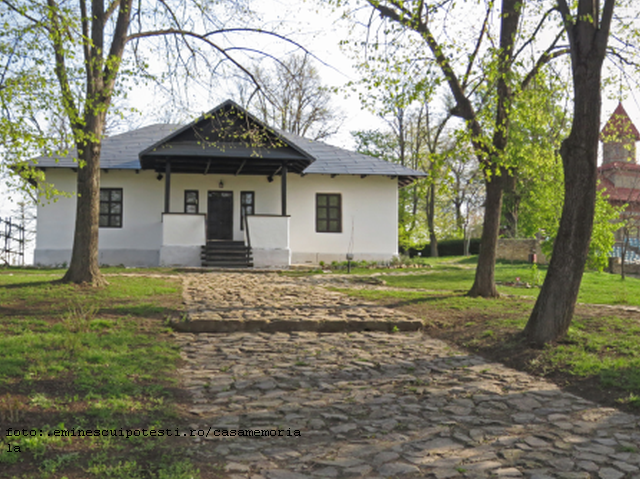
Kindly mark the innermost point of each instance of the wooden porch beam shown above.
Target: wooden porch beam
(167, 186)
(244, 162)
(283, 191)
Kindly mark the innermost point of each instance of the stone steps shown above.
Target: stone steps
(226, 254)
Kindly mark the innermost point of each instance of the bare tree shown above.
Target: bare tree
(291, 97)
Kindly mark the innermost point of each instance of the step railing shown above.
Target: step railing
(247, 235)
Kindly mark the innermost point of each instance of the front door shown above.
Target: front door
(220, 215)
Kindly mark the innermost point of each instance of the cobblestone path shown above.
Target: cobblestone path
(380, 405)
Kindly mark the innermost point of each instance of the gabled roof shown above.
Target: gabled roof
(227, 139)
(196, 145)
(619, 127)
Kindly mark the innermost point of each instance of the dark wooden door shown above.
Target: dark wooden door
(220, 215)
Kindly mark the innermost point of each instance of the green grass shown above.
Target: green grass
(457, 274)
(80, 357)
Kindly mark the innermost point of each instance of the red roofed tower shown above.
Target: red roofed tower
(620, 174)
(619, 137)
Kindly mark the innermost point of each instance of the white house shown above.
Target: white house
(177, 195)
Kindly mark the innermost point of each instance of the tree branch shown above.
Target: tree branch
(110, 9)
(86, 47)
(203, 38)
(60, 66)
(472, 58)
(545, 58)
(117, 44)
(21, 13)
(569, 23)
(602, 35)
(535, 31)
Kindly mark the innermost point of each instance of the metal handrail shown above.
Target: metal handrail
(246, 226)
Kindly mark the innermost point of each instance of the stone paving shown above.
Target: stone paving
(379, 405)
(269, 302)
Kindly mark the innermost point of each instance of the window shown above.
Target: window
(190, 201)
(328, 213)
(247, 205)
(111, 207)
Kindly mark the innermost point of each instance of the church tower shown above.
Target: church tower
(619, 137)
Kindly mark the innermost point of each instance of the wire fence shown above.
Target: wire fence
(12, 241)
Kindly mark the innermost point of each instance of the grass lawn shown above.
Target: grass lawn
(599, 358)
(74, 357)
(457, 274)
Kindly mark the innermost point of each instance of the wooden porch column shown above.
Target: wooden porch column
(167, 186)
(283, 185)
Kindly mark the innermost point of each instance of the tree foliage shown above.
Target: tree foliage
(484, 66)
(440, 205)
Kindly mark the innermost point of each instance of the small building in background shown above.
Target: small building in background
(619, 177)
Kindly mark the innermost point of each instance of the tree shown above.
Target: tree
(466, 187)
(464, 73)
(587, 27)
(75, 54)
(291, 97)
(416, 138)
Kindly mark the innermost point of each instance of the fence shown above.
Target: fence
(12, 242)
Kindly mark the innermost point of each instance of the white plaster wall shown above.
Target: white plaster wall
(270, 241)
(183, 230)
(56, 217)
(369, 216)
(136, 243)
(143, 200)
(368, 204)
(269, 232)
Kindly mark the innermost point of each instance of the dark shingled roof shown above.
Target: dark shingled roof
(122, 152)
(331, 160)
(119, 152)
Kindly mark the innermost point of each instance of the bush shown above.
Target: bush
(445, 248)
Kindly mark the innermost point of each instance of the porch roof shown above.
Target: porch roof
(226, 140)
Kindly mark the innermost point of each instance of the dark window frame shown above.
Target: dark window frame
(243, 204)
(110, 217)
(327, 217)
(197, 203)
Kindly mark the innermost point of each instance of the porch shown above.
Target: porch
(265, 243)
(229, 156)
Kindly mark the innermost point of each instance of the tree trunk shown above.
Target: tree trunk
(625, 242)
(84, 267)
(431, 213)
(554, 308)
(465, 242)
(484, 283)
(497, 177)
